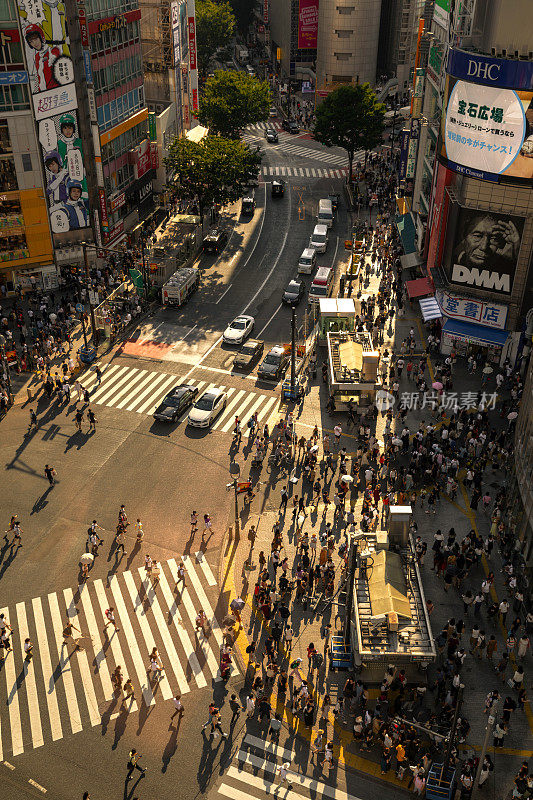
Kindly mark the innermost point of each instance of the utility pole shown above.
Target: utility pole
(488, 731)
(293, 352)
(88, 279)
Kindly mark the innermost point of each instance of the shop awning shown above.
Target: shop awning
(411, 260)
(430, 309)
(475, 334)
(419, 287)
(406, 229)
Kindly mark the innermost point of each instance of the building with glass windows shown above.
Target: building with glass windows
(521, 485)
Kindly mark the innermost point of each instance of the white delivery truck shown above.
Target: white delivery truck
(242, 56)
(179, 286)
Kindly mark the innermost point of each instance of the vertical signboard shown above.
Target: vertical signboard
(55, 109)
(441, 13)
(84, 28)
(193, 61)
(307, 24)
(404, 146)
(265, 12)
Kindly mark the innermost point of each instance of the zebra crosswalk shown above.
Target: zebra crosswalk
(140, 391)
(301, 172)
(255, 770)
(63, 690)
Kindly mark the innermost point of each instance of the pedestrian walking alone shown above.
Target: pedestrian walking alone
(50, 474)
(133, 764)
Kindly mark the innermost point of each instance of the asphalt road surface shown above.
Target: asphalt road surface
(60, 724)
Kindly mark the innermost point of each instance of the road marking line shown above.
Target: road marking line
(202, 597)
(244, 410)
(109, 387)
(141, 385)
(116, 649)
(138, 610)
(229, 287)
(138, 663)
(269, 747)
(206, 569)
(175, 662)
(227, 419)
(124, 390)
(8, 765)
(99, 655)
(271, 402)
(29, 681)
(226, 415)
(269, 321)
(12, 701)
(65, 665)
(203, 644)
(37, 786)
(83, 663)
(177, 621)
(85, 380)
(50, 689)
(161, 376)
(251, 411)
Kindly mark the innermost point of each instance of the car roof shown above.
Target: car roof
(253, 343)
(215, 232)
(308, 252)
(214, 392)
(294, 282)
(179, 390)
(320, 229)
(277, 350)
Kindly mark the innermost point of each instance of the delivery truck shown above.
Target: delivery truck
(180, 286)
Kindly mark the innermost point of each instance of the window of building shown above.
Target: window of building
(341, 79)
(8, 173)
(342, 56)
(8, 10)
(13, 246)
(345, 9)
(27, 166)
(5, 140)
(344, 34)
(11, 217)
(14, 98)
(10, 51)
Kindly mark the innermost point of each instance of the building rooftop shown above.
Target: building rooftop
(346, 355)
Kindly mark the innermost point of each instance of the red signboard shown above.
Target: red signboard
(154, 155)
(307, 24)
(437, 216)
(191, 25)
(114, 23)
(141, 158)
(103, 209)
(84, 25)
(9, 35)
(265, 11)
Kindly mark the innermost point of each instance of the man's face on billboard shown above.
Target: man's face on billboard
(482, 242)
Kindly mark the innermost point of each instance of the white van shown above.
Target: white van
(325, 213)
(307, 261)
(319, 239)
(322, 284)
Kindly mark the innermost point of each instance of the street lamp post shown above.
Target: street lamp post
(88, 279)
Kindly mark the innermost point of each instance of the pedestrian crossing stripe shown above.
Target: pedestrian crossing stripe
(141, 391)
(63, 691)
(302, 172)
(303, 787)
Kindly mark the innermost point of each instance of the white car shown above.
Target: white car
(207, 408)
(239, 330)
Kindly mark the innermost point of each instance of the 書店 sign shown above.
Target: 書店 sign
(491, 315)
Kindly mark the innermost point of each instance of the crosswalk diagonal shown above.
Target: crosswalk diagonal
(253, 773)
(140, 391)
(67, 686)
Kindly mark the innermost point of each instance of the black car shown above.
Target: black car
(248, 205)
(290, 125)
(274, 364)
(215, 240)
(278, 188)
(335, 200)
(249, 353)
(293, 293)
(175, 403)
(271, 136)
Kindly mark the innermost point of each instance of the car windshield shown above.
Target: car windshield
(319, 237)
(172, 401)
(318, 291)
(205, 403)
(238, 324)
(306, 260)
(272, 359)
(247, 350)
(293, 287)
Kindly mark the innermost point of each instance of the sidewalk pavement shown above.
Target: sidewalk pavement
(240, 568)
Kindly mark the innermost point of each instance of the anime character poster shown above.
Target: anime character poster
(47, 47)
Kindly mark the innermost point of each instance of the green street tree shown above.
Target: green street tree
(244, 14)
(350, 117)
(215, 170)
(231, 100)
(215, 26)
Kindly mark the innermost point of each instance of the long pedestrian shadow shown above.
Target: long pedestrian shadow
(129, 792)
(120, 726)
(171, 746)
(41, 502)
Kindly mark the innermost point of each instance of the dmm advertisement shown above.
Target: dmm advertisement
(307, 24)
(55, 107)
(485, 251)
(487, 122)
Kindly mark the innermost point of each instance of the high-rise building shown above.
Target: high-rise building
(293, 36)
(26, 252)
(398, 38)
(468, 168)
(348, 35)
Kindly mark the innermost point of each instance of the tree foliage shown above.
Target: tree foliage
(244, 14)
(231, 100)
(215, 170)
(215, 26)
(350, 117)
